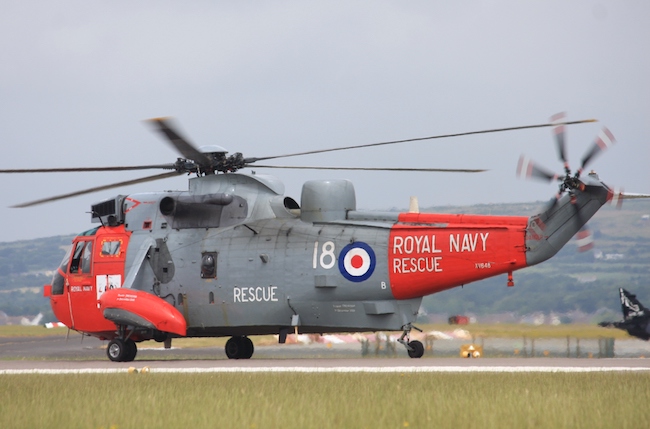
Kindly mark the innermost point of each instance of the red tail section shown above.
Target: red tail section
(429, 253)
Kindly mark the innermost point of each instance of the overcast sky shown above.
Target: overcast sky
(77, 78)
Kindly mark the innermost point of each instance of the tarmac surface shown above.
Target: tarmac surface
(56, 354)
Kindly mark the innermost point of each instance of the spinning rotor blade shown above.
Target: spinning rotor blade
(616, 196)
(632, 196)
(496, 130)
(200, 163)
(99, 188)
(528, 169)
(559, 131)
(163, 125)
(584, 239)
(82, 169)
(604, 140)
(439, 170)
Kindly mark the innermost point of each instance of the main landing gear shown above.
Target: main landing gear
(239, 348)
(122, 348)
(414, 348)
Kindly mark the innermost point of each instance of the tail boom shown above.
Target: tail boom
(549, 231)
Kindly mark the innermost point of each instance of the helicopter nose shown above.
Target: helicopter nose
(58, 299)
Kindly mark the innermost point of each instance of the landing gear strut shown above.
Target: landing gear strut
(239, 348)
(414, 348)
(122, 348)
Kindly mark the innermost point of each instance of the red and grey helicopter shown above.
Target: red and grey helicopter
(233, 256)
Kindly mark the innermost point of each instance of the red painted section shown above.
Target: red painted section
(164, 316)
(61, 306)
(96, 266)
(428, 253)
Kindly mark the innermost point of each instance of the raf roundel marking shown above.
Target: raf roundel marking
(357, 261)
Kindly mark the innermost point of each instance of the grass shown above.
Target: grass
(262, 400)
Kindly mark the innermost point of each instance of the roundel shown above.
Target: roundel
(357, 261)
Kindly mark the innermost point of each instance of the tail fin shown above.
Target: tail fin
(631, 306)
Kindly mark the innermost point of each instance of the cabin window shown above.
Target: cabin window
(209, 265)
(211, 297)
(111, 247)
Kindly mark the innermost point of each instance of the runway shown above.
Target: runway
(55, 355)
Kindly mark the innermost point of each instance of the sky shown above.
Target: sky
(78, 78)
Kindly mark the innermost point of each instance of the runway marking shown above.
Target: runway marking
(397, 369)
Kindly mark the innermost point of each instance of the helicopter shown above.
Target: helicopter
(234, 257)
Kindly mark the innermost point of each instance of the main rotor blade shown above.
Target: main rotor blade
(496, 130)
(439, 170)
(82, 169)
(633, 195)
(99, 188)
(185, 148)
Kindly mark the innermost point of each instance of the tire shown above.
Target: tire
(418, 349)
(247, 348)
(116, 350)
(159, 336)
(234, 348)
(131, 351)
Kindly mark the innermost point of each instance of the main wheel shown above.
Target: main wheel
(131, 351)
(247, 348)
(418, 349)
(159, 336)
(116, 350)
(239, 348)
(234, 348)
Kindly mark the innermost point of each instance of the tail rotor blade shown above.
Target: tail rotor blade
(526, 169)
(615, 197)
(559, 131)
(584, 239)
(604, 140)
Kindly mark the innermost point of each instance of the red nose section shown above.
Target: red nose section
(158, 312)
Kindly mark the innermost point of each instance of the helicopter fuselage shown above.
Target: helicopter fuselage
(234, 257)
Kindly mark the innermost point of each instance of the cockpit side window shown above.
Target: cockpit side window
(76, 257)
(57, 279)
(86, 259)
(81, 258)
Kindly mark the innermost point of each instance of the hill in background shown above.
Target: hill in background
(571, 286)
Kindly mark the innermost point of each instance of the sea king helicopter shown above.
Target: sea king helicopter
(233, 256)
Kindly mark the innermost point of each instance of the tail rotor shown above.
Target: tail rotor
(568, 181)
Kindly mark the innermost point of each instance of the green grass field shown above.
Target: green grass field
(450, 400)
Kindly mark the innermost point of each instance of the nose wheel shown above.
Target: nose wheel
(239, 348)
